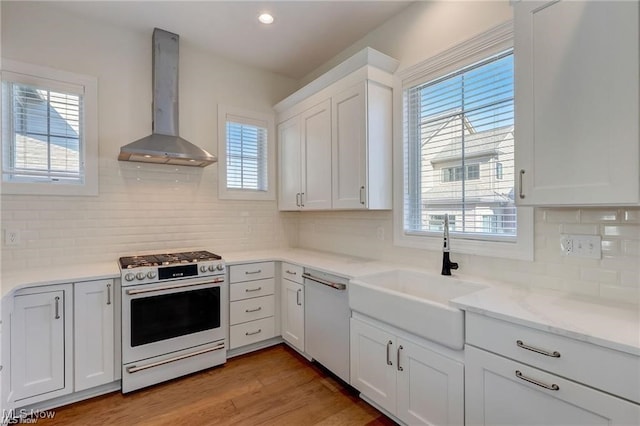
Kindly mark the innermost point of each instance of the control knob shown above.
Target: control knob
(140, 275)
(212, 267)
(220, 267)
(151, 274)
(129, 276)
(203, 268)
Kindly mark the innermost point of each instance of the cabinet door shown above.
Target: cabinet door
(316, 136)
(430, 386)
(349, 154)
(500, 391)
(290, 157)
(93, 334)
(292, 315)
(576, 71)
(38, 344)
(373, 369)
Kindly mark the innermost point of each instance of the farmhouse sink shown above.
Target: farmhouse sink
(414, 301)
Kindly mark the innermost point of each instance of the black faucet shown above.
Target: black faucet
(447, 264)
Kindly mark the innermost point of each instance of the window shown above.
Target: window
(246, 155)
(457, 125)
(436, 222)
(49, 140)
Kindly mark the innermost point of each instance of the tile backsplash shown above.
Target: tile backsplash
(141, 207)
(615, 276)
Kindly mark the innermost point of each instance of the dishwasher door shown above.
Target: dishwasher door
(326, 319)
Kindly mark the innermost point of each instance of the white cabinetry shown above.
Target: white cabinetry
(577, 102)
(407, 379)
(519, 376)
(41, 344)
(335, 138)
(252, 303)
(305, 152)
(94, 334)
(361, 125)
(292, 315)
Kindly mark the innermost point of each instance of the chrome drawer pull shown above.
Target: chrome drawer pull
(554, 354)
(521, 376)
(398, 359)
(257, 271)
(252, 289)
(135, 369)
(57, 308)
(521, 190)
(108, 294)
(253, 332)
(291, 272)
(389, 343)
(259, 308)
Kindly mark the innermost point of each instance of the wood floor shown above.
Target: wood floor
(275, 386)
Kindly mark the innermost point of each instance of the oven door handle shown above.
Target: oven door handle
(134, 291)
(135, 369)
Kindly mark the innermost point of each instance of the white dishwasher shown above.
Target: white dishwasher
(326, 321)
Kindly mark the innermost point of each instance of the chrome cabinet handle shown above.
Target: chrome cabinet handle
(398, 358)
(362, 199)
(57, 308)
(302, 199)
(257, 271)
(249, 290)
(337, 286)
(259, 308)
(521, 190)
(298, 199)
(135, 369)
(291, 272)
(253, 332)
(552, 386)
(389, 343)
(298, 297)
(108, 294)
(521, 344)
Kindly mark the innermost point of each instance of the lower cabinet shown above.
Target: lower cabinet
(292, 315)
(41, 344)
(93, 334)
(503, 391)
(408, 380)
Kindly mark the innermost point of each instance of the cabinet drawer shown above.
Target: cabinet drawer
(251, 271)
(251, 332)
(248, 289)
(251, 309)
(292, 272)
(596, 366)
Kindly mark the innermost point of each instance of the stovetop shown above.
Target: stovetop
(131, 262)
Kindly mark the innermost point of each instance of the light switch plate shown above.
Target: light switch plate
(587, 246)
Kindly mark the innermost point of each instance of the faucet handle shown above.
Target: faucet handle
(453, 265)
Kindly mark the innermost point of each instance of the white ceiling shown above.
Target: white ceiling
(305, 34)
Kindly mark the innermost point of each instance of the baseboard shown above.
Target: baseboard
(254, 347)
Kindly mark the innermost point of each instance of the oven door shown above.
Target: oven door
(166, 317)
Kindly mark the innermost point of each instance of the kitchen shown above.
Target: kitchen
(151, 208)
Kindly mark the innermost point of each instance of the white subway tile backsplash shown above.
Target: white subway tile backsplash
(599, 275)
(573, 228)
(599, 215)
(562, 216)
(627, 231)
(632, 216)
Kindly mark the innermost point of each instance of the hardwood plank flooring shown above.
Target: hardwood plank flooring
(274, 386)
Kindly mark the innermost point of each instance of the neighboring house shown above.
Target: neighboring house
(484, 174)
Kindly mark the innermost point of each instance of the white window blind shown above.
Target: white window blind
(246, 157)
(459, 152)
(43, 134)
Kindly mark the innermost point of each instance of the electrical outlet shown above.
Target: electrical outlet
(587, 246)
(11, 237)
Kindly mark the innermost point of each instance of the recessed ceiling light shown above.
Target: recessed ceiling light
(265, 18)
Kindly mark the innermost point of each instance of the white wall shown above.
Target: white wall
(414, 35)
(141, 207)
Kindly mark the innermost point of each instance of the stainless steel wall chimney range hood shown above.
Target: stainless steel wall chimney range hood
(164, 146)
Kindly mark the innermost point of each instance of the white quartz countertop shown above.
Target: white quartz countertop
(59, 275)
(609, 324)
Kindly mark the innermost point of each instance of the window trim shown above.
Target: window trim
(58, 79)
(482, 46)
(241, 115)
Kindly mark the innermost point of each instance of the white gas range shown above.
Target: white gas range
(174, 319)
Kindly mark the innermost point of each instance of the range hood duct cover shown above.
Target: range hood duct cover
(164, 146)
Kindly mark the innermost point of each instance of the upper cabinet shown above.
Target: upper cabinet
(335, 138)
(577, 104)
